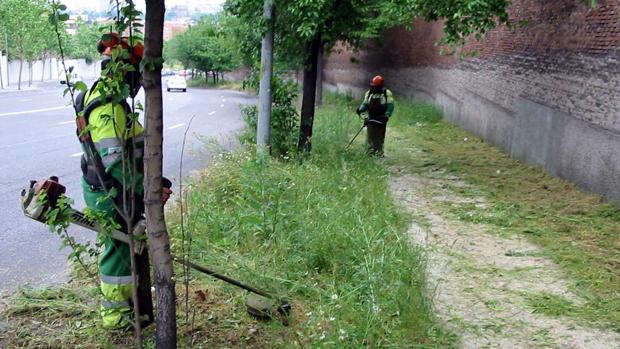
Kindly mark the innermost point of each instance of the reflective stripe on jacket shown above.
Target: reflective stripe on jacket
(109, 129)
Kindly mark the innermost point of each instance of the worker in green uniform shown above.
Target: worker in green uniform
(113, 145)
(379, 103)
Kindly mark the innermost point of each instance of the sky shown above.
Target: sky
(204, 5)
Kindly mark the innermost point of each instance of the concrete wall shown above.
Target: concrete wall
(3, 68)
(548, 94)
(51, 69)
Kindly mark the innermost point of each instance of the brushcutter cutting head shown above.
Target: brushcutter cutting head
(265, 309)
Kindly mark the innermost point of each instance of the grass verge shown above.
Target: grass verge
(579, 231)
(323, 232)
(223, 85)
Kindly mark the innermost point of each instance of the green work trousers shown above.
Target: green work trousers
(114, 266)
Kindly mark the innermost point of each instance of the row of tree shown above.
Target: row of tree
(27, 35)
(207, 46)
(305, 29)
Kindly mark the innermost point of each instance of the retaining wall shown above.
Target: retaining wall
(547, 93)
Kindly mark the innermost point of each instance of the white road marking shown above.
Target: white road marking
(34, 111)
(66, 122)
(176, 126)
(77, 154)
(211, 113)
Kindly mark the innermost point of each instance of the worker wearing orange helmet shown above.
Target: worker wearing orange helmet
(111, 138)
(379, 103)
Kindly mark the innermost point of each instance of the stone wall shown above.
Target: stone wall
(547, 93)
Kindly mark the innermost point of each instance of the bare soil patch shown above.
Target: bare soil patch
(484, 285)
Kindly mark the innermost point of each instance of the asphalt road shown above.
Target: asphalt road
(38, 140)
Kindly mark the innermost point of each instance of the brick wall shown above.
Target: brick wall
(563, 66)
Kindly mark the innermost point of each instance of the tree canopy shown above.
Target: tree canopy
(206, 46)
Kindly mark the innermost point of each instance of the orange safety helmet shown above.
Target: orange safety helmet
(111, 40)
(377, 81)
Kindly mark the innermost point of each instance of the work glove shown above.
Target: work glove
(358, 111)
(365, 121)
(165, 191)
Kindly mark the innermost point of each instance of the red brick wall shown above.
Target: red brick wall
(548, 93)
(566, 57)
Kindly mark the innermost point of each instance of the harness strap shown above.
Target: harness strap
(92, 155)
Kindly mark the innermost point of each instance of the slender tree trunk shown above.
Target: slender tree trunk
(19, 78)
(6, 44)
(29, 73)
(309, 94)
(263, 127)
(213, 76)
(7, 68)
(319, 76)
(159, 241)
(43, 68)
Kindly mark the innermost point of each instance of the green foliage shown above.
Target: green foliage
(207, 46)
(27, 30)
(325, 234)
(463, 18)
(83, 43)
(284, 117)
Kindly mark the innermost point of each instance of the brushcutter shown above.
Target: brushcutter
(366, 122)
(259, 303)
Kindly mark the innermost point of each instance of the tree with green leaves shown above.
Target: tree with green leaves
(303, 28)
(82, 43)
(28, 33)
(206, 46)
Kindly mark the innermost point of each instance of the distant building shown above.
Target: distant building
(72, 22)
(173, 28)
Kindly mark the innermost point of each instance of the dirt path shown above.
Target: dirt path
(483, 284)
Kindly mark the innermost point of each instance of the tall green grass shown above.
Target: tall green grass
(325, 233)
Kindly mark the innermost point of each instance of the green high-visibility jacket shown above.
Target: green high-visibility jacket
(385, 98)
(111, 133)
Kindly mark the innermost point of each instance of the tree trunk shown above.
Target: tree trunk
(29, 73)
(7, 68)
(19, 78)
(309, 94)
(319, 77)
(43, 69)
(263, 126)
(159, 241)
(213, 75)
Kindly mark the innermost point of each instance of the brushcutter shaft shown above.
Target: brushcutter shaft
(224, 278)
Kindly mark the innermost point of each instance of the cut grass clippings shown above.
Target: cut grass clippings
(579, 231)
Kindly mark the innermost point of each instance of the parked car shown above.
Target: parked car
(176, 83)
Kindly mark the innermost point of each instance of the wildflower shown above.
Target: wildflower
(334, 296)
(332, 318)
